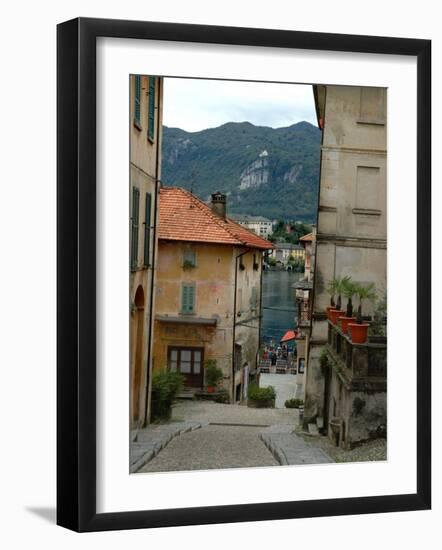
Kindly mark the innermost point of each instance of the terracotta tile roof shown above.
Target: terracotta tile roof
(307, 238)
(184, 217)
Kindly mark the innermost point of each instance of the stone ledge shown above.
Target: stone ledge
(289, 449)
(150, 441)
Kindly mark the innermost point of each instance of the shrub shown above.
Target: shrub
(255, 393)
(222, 397)
(294, 403)
(213, 373)
(165, 387)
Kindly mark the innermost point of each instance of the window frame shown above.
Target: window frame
(137, 101)
(151, 100)
(183, 310)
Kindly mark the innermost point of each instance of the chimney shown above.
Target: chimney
(219, 204)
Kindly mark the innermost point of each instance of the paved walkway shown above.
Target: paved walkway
(205, 435)
(211, 412)
(284, 384)
(213, 447)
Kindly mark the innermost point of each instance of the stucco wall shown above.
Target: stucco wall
(214, 286)
(144, 169)
(351, 230)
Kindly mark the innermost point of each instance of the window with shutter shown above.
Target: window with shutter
(189, 257)
(151, 115)
(188, 298)
(254, 299)
(137, 105)
(147, 224)
(134, 228)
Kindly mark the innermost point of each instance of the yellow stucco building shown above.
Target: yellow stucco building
(145, 173)
(208, 291)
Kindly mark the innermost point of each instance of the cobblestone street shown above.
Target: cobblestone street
(203, 435)
(213, 447)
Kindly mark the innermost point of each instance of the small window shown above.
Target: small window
(137, 101)
(147, 228)
(151, 113)
(188, 298)
(189, 257)
(254, 299)
(134, 228)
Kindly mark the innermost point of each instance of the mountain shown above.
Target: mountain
(264, 171)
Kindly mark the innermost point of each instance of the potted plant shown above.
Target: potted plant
(261, 397)
(340, 288)
(165, 387)
(348, 290)
(335, 287)
(359, 330)
(331, 290)
(213, 375)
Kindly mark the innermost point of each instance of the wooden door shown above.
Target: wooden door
(189, 362)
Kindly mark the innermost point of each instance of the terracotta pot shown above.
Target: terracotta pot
(327, 310)
(210, 389)
(344, 323)
(358, 332)
(334, 314)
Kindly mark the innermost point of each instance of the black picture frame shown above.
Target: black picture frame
(76, 274)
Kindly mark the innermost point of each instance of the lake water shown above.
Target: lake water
(278, 301)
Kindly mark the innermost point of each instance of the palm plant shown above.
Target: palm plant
(349, 290)
(332, 289)
(364, 292)
(342, 283)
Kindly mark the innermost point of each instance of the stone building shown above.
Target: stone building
(258, 224)
(145, 172)
(345, 389)
(304, 303)
(284, 252)
(208, 291)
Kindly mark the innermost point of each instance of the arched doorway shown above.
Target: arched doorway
(138, 350)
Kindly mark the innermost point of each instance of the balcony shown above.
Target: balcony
(359, 366)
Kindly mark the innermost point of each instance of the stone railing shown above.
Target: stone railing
(357, 361)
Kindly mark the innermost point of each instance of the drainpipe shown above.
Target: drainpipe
(234, 321)
(152, 282)
(260, 302)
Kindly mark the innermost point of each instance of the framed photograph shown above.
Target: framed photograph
(243, 274)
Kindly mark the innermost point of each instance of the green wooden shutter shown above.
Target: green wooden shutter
(147, 223)
(191, 293)
(137, 106)
(151, 116)
(188, 299)
(135, 225)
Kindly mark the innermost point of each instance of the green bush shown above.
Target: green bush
(165, 387)
(261, 394)
(213, 373)
(294, 403)
(222, 397)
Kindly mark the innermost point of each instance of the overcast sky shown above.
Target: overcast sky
(198, 104)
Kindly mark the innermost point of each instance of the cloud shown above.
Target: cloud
(194, 105)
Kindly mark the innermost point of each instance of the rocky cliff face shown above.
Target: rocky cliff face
(256, 174)
(264, 171)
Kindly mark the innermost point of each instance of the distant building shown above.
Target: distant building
(208, 291)
(146, 103)
(308, 242)
(258, 224)
(304, 302)
(345, 389)
(284, 251)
